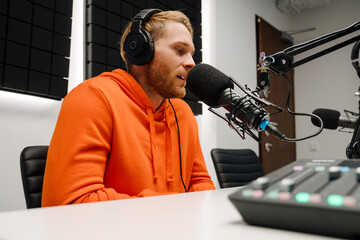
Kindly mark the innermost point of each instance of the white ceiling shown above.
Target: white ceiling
(296, 6)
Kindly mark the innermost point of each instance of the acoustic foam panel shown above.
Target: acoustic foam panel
(35, 46)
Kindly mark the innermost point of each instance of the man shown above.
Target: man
(127, 134)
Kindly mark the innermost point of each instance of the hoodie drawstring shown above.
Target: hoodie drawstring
(169, 152)
(168, 145)
(152, 142)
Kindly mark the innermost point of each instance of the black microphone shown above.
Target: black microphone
(215, 89)
(332, 119)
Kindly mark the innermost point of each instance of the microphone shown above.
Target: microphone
(215, 89)
(332, 119)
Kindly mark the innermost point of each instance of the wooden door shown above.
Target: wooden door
(275, 153)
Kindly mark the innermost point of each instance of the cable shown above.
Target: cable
(300, 114)
(177, 124)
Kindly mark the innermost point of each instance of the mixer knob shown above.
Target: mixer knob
(287, 185)
(334, 172)
(260, 183)
(358, 174)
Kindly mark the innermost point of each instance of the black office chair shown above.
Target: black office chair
(32, 165)
(236, 167)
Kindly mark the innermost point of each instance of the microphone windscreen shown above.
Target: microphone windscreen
(207, 83)
(329, 117)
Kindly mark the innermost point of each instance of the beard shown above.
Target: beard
(163, 81)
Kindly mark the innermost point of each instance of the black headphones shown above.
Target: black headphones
(355, 56)
(138, 44)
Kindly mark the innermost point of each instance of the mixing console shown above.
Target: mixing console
(320, 196)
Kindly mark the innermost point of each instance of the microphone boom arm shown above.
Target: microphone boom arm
(281, 62)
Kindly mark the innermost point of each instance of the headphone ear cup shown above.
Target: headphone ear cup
(355, 51)
(357, 67)
(355, 55)
(139, 47)
(138, 44)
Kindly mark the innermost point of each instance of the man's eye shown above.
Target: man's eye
(179, 50)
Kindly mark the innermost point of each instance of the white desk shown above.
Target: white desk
(201, 215)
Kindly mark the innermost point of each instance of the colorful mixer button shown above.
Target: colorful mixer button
(273, 195)
(320, 168)
(335, 200)
(298, 168)
(350, 201)
(284, 196)
(247, 192)
(315, 198)
(257, 193)
(302, 197)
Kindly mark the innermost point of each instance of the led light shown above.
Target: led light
(247, 192)
(302, 197)
(315, 198)
(349, 201)
(335, 200)
(298, 168)
(273, 195)
(257, 193)
(319, 168)
(284, 196)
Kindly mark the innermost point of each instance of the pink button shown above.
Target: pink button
(349, 201)
(298, 168)
(257, 193)
(315, 198)
(284, 196)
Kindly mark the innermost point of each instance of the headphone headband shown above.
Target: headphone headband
(146, 13)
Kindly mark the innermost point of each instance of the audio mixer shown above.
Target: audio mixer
(319, 196)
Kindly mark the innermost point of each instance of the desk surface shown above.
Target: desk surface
(201, 215)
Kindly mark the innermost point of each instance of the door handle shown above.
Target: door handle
(268, 147)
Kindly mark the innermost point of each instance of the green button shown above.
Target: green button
(302, 197)
(320, 169)
(273, 195)
(335, 200)
(247, 192)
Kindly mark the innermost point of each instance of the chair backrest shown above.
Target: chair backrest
(236, 167)
(32, 165)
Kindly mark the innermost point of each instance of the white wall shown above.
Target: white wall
(327, 82)
(236, 51)
(229, 45)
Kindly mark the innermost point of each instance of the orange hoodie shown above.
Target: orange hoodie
(110, 143)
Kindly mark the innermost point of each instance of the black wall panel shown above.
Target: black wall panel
(35, 46)
(106, 19)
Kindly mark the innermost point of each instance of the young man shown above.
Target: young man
(127, 134)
